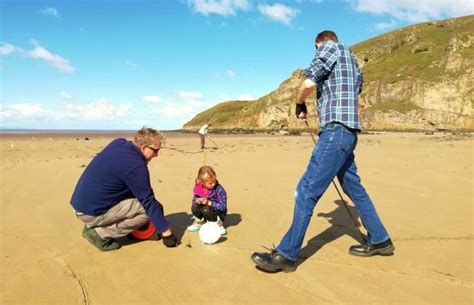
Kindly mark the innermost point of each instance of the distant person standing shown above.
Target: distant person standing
(339, 82)
(203, 134)
(113, 197)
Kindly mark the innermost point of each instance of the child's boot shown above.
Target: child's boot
(196, 224)
(220, 224)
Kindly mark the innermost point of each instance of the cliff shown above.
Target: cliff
(416, 78)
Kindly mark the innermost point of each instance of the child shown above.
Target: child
(209, 200)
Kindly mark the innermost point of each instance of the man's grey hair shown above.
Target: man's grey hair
(148, 136)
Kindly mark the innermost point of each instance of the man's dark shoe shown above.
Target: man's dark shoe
(273, 262)
(107, 244)
(384, 248)
(156, 236)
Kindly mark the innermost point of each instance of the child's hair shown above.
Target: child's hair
(205, 173)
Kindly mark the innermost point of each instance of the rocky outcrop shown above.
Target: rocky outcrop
(419, 105)
(416, 78)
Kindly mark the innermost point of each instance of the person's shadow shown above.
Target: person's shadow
(180, 221)
(232, 220)
(341, 224)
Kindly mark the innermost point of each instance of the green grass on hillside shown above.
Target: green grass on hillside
(414, 52)
(220, 113)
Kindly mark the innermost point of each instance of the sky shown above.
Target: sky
(124, 64)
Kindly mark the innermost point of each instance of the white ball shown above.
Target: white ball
(209, 233)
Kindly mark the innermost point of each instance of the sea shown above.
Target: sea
(79, 133)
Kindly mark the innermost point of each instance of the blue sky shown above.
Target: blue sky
(127, 63)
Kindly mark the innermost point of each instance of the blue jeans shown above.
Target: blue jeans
(332, 156)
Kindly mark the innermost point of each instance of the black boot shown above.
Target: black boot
(103, 244)
(384, 248)
(273, 262)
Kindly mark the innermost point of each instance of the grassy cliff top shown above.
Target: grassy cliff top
(218, 114)
(420, 51)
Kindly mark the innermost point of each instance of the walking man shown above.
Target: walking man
(336, 75)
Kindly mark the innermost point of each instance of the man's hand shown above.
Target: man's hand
(301, 111)
(170, 241)
(307, 86)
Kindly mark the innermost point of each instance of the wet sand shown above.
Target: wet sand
(422, 186)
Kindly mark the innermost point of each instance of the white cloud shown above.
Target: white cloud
(246, 97)
(152, 99)
(383, 26)
(223, 98)
(22, 110)
(193, 99)
(53, 60)
(50, 11)
(123, 110)
(6, 48)
(416, 11)
(187, 104)
(177, 111)
(41, 53)
(230, 73)
(219, 7)
(242, 97)
(65, 95)
(278, 12)
(131, 64)
(190, 95)
(99, 110)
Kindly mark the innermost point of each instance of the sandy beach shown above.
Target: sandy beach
(422, 186)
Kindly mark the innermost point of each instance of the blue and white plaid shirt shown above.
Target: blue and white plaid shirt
(339, 82)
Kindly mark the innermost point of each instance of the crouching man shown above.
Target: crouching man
(113, 197)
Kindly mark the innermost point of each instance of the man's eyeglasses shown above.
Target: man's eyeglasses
(155, 150)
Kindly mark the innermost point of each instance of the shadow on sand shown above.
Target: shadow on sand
(341, 224)
(179, 222)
